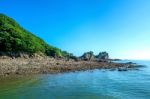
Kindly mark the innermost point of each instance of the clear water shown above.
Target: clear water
(95, 84)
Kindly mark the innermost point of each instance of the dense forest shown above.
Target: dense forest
(14, 38)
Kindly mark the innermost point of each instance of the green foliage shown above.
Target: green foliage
(54, 52)
(69, 55)
(13, 38)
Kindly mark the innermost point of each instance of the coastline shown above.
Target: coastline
(47, 65)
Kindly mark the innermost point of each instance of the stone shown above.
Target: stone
(102, 55)
(88, 56)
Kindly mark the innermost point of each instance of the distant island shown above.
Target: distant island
(21, 52)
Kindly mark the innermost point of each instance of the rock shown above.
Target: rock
(112, 69)
(103, 55)
(88, 56)
(57, 63)
(102, 60)
(115, 59)
(14, 55)
(122, 69)
(24, 55)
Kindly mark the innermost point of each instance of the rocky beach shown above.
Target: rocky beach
(44, 65)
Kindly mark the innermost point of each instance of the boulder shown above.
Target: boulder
(102, 55)
(88, 56)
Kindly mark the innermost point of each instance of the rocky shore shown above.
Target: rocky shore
(44, 65)
(22, 52)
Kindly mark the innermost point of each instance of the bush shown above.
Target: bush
(13, 38)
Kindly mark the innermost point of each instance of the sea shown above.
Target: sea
(90, 84)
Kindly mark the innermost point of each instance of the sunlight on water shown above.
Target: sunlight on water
(95, 84)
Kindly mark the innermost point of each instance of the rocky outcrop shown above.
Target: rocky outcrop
(103, 55)
(25, 55)
(14, 54)
(88, 56)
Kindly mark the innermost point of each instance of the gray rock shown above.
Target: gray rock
(103, 55)
(88, 56)
(122, 69)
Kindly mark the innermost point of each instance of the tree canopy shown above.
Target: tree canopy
(14, 38)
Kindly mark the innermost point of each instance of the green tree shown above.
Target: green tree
(14, 38)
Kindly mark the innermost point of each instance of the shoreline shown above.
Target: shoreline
(23, 66)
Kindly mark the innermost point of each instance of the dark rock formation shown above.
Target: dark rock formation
(103, 55)
(87, 56)
(122, 69)
(15, 54)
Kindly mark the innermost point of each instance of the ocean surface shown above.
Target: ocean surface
(93, 84)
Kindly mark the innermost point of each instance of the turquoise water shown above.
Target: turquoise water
(94, 84)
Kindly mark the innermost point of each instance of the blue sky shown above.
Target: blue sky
(120, 27)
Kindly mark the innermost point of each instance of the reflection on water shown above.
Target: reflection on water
(95, 84)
